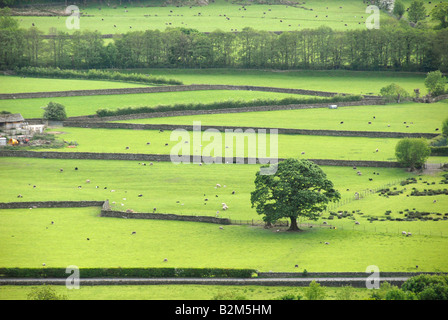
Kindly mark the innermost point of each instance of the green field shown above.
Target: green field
(88, 105)
(138, 17)
(174, 292)
(30, 240)
(354, 82)
(405, 117)
(13, 84)
(314, 147)
(169, 187)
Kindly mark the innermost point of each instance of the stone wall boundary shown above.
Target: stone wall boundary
(167, 158)
(163, 216)
(50, 204)
(340, 133)
(160, 114)
(158, 89)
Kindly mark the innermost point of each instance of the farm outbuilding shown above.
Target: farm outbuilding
(11, 121)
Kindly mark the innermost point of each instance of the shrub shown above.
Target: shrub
(315, 291)
(435, 83)
(55, 111)
(420, 283)
(44, 293)
(394, 92)
(289, 296)
(412, 152)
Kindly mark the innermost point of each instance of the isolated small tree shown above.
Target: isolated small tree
(55, 111)
(417, 11)
(412, 152)
(440, 14)
(315, 292)
(435, 83)
(298, 188)
(399, 9)
(394, 92)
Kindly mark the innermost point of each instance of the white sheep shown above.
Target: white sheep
(218, 185)
(404, 233)
(87, 181)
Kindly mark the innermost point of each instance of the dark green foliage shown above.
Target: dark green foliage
(439, 151)
(412, 152)
(440, 13)
(428, 287)
(394, 93)
(295, 188)
(409, 49)
(445, 127)
(417, 11)
(55, 111)
(435, 83)
(94, 75)
(223, 105)
(399, 9)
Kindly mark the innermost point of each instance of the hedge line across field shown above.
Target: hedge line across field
(229, 104)
(439, 151)
(127, 273)
(94, 74)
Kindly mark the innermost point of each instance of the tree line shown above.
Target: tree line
(392, 47)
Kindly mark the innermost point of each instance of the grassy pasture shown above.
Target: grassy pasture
(88, 105)
(29, 239)
(139, 17)
(13, 84)
(418, 117)
(173, 292)
(354, 82)
(168, 187)
(315, 147)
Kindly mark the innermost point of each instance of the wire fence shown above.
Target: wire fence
(360, 195)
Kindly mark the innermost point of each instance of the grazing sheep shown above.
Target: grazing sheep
(327, 242)
(409, 234)
(356, 222)
(218, 185)
(87, 181)
(44, 264)
(61, 170)
(325, 222)
(404, 233)
(140, 195)
(233, 192)
(165, 260)
(221, 228)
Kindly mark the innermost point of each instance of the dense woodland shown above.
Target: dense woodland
(395, 46)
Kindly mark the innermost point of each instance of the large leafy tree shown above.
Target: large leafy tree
(298, 188)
